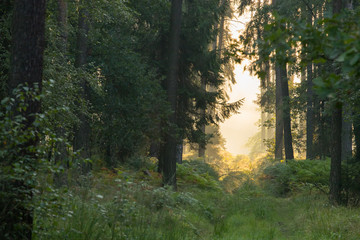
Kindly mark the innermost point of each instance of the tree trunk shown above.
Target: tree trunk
(346, 136)
(289, 152)
(310, 114)
(279, 120)
(171, 142)
(335, 169)
(179, 153)
(202, 144)
(336, 124)
(60, 179)
(269, 130)
(62, 22)
(279, 125)
(263, 130)
(83, 131)
(357, 139)
(26, 67)
(82, 39)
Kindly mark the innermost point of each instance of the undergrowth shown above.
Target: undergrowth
(275, 201)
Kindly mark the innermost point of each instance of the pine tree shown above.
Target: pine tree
(28, 41)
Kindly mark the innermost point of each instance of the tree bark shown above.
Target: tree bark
(279, 120)
(310, 114)
(28, 37)
(171, 141)
(269, 130)
(346, 136)
(60, 179)
(62, 22)
(336, 124)
(289, 152)
(202, 144)
(83, 131)
(335, 169)
(356, 124)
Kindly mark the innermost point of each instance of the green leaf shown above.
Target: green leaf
(5, 100)
(355, 59)
(341, 58)
(319, 61)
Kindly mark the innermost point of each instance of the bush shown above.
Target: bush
(196, 172)
(351, 183)
(282, 178)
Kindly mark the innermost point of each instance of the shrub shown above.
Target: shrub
(198, 173)
(282, 178)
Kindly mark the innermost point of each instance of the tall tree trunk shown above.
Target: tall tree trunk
(262, 127)
(323, 138)
(83, 131)
(171, 142)
(335, 169)
(262, 92)
(62, 22)
(82, 39)
(289, 152)
(61, 151)
(202, 144)
(336, 124)
(346, 135)
(269, 80)
(26, 67)
(310, 124)
(279, 120)
(310, 115)
(263, 116)
(6, 7)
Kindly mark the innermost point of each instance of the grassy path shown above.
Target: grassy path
(299, 217)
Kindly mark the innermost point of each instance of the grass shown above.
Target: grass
(130, 205)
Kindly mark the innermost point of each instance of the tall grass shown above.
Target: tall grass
(132, 205)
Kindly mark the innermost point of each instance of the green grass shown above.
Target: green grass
(131, 205)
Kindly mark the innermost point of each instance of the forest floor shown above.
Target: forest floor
(131, 204)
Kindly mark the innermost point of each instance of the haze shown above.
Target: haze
(239, 128)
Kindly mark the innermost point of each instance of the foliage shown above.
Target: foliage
(199, 173)
(283, 178)
(350, 183)
(21, 161)
(113, 206)
(125, 205)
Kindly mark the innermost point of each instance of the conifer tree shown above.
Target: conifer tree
(28, 41)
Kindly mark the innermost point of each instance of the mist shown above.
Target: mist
(240, 127)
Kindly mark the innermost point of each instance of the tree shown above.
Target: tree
(279, 127)
(28, 40)
(62, 21)
(82, 132)
(170, 146)
(310, 116)
(336, 122)
(289, 152)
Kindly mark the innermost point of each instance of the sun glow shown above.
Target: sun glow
(239, 128)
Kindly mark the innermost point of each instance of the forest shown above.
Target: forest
(110, 113)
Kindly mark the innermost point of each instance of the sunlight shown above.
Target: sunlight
(239, 128)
